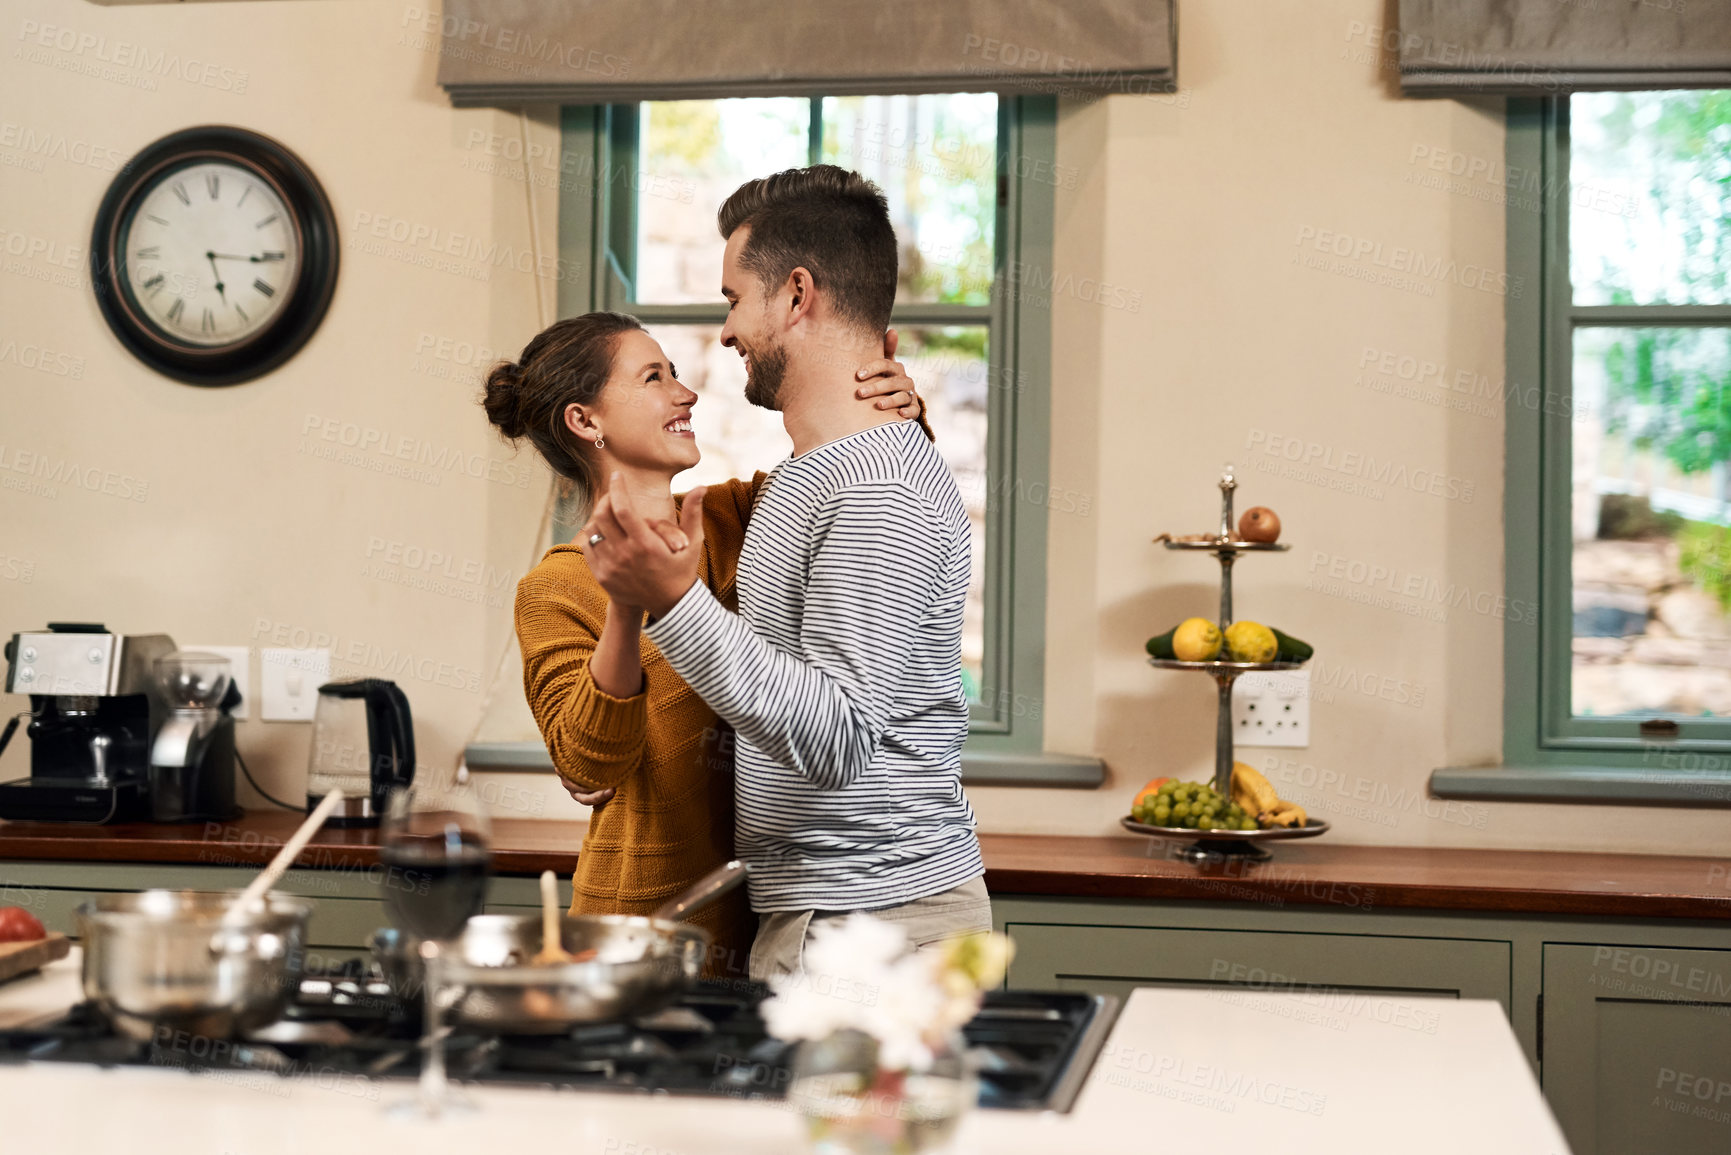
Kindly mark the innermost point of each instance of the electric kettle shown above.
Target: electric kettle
(363, 742)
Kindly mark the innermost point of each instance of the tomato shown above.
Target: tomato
(19, 925)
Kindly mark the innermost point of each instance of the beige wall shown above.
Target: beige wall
(243, 537)
(1207, 204)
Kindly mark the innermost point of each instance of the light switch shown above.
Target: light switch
(240, 669)
(289, 682)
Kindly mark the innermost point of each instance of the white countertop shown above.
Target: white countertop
(1297, 1074)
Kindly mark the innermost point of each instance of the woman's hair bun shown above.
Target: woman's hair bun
(504, 399)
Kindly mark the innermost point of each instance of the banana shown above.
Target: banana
(1251, 790)
(1284, 814)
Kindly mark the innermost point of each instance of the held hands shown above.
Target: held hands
(594, 799)
(887, 380)
(644, 564)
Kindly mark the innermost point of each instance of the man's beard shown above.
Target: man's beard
(764, 375)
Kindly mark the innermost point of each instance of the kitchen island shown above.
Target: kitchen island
(1182, 1070)
(1614, 971)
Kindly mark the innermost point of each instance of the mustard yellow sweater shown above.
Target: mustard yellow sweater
(665, 751)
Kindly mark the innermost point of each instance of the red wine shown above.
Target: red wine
(430, 892)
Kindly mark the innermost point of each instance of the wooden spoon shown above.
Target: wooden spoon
(551, 952)
(284, 859)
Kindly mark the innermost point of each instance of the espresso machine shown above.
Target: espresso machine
(192, 759)
(95, 709)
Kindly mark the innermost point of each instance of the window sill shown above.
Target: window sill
(978, 769)
(1600, 784)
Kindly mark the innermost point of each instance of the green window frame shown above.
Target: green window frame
(597, 232)
(1548, 752)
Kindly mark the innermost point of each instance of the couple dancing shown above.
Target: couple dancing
(769, 668)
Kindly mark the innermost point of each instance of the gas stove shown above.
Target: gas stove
(1034, 1048)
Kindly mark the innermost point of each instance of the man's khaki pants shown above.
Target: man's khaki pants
(781, 937)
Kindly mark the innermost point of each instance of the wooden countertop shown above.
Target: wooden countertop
(1301, 874)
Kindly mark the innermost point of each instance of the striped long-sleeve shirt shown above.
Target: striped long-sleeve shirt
(842, 676)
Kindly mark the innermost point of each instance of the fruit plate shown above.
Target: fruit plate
(1215, 545)
(1218, 667)
(1211, 845)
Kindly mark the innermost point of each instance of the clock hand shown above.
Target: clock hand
(239, 257)
(217, 273)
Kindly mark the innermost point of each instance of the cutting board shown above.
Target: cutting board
(18, 958)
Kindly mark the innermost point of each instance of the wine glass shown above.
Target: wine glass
(437, 851)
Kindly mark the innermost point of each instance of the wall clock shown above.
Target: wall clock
(214, 255)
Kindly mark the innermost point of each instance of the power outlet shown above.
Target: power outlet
(240, 669)
(289, 682)
(1271, 709)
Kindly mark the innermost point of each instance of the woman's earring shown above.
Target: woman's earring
(600, 441)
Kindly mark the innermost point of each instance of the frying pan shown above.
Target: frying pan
(630, 965)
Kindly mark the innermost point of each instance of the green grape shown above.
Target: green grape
(1162, 814)
(1182, 810)
(1190, 823)
(1247, 824)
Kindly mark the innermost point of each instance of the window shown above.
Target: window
(1622, 475)
(976, 343)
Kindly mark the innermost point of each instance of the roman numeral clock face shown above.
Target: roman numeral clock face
(211, 254)
(214, 255)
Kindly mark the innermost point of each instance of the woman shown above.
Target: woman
(599, 399)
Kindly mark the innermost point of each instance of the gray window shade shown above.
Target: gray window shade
(608, 51)
(1550, 47)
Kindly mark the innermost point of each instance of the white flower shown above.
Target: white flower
(859, 975)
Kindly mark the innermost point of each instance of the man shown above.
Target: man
(841, 674)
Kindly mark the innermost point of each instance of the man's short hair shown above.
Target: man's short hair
(832, 222)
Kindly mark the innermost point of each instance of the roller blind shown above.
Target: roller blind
(1549, 47)
(602, 51)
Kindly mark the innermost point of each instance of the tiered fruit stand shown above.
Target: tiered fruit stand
(1211, 845)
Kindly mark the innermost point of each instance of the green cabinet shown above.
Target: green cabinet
(1116, 959)
(347, 906)
(1627, 1023)
(1637, 1048)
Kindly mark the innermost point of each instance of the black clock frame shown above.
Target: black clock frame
(315, 228)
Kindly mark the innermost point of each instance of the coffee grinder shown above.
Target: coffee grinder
(94, 710)
(192, 759)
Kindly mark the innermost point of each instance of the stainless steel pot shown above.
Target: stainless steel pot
(640, 965)
(164, 960)
(633, 965)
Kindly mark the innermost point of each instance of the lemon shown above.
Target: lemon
(1251, 642)
(1196, 640)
